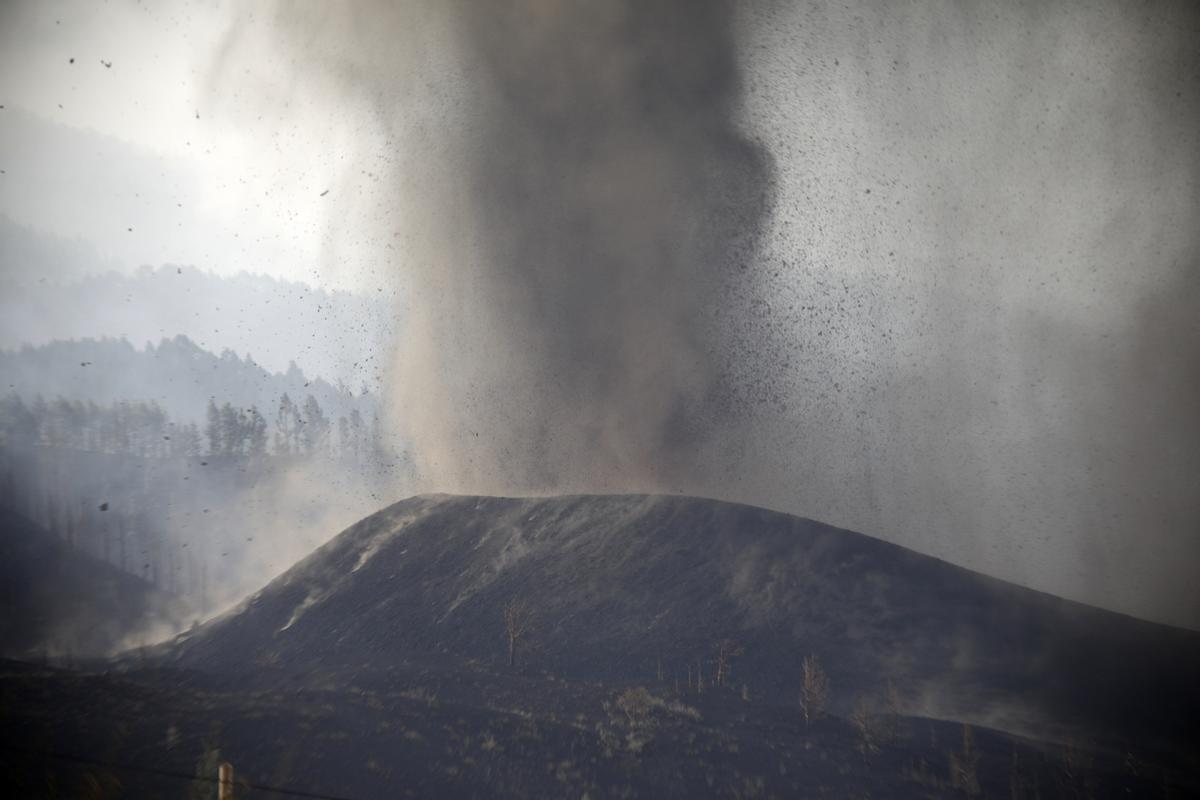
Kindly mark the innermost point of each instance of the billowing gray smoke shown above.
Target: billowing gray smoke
(567, 192)
(609, 193)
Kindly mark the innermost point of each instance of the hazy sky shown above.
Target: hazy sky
(926, 270)
(204, 168)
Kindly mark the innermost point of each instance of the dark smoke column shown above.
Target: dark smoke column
(607, 192)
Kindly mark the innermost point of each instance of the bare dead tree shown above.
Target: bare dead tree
(964, 765)
(814, 689)
(866, 726)
(516, 625)
(1017, 783)
(892, 705)
(727, 650)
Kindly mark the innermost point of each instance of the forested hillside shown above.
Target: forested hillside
(176, 374)
(199, 474)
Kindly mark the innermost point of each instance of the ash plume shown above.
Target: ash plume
(566, 189)
(608, 193)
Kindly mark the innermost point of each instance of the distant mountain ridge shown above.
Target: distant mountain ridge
(337, 335)
(176, 373)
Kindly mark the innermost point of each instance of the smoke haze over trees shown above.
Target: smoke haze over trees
(195, 430)
(195, 473)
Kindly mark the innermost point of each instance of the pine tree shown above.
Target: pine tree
(230, 431)
(212, 428)
(285, 426)
(357, 437)
(256, 435)
(316, 426)
(345, 448)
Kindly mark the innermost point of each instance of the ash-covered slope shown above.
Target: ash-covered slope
(58, 601)
(619, 585)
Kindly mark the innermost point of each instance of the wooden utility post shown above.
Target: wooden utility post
(225, 781)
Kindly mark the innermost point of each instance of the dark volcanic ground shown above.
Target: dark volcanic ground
(377, 667)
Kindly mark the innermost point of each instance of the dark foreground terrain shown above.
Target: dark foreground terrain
(378, 667)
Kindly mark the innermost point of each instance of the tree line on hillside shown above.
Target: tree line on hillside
(177, 373)
(182, 504)
(143, 429)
